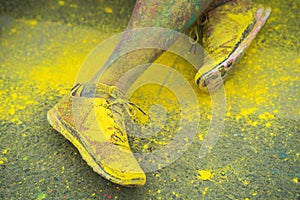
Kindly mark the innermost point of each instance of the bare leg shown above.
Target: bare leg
(177, 15)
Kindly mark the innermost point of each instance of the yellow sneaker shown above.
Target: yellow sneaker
(230, 28)
(92, 118)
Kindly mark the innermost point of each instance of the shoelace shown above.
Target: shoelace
(120, 103)
(195, 31)
(117, 103)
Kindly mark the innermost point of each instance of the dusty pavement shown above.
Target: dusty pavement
(43, 44)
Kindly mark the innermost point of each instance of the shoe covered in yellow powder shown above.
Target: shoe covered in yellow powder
(92, 118)
(229, 29)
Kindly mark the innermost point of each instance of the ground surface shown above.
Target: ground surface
(43, 44)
